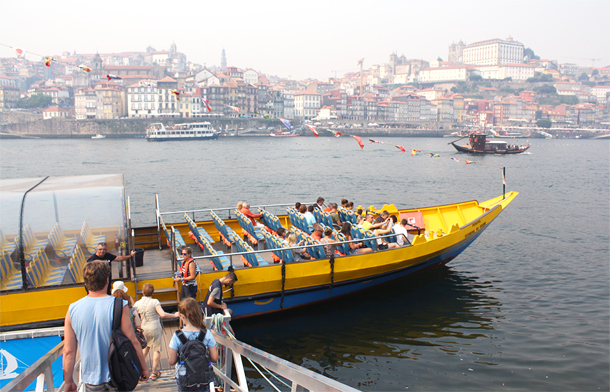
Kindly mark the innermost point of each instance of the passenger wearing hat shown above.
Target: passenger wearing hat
(120, 285)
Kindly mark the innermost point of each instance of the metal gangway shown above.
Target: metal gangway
(232, 352)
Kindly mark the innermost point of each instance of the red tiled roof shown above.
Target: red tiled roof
(127, 67)
(55, 109)
(306, 92)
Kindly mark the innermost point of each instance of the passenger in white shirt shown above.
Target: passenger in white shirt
(401, 231)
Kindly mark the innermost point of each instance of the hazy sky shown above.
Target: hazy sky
(304, 39)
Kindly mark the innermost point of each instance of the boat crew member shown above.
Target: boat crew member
(187, 272)
(213, 299)
(88, 323)
(101, 253)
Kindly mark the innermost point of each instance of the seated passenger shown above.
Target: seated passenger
(369, 223)
(385, 229)
(245, 209)
(309, 218)
(320, 204)
(299, 254)
(349, 206)
(310, 212)
(317, 232)
(360, 220)
(355, 247)
(334, 215)
(281, 232)
(328, 240)
(401, 232)
(344, 203)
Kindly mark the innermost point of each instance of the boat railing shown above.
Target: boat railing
(40, 371)
(207, 210)
(299, 247)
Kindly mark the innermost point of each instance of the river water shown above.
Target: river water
(526, 307)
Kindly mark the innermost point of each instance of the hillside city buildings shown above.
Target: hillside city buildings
(490, 82)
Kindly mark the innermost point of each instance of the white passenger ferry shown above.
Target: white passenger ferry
(157, 132)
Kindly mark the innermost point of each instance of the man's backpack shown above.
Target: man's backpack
(196, 360)
(123, 361)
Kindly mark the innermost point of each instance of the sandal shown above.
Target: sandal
(155, 375)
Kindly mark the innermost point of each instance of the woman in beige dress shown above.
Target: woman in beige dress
(151, 313)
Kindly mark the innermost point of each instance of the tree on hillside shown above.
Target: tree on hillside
(568, 99)
(530, 54)
(583, 77)
(475, 78)
(544, 123)
(545, 89)
(35, 101)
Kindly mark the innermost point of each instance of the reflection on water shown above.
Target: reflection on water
(440, 310)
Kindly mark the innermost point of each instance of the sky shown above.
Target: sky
(312, 39)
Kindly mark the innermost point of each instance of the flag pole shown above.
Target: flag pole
(504, 182)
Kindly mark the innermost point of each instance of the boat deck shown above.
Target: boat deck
(157, 263)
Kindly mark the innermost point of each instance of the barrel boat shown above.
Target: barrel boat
(480, 145)
(45, 246)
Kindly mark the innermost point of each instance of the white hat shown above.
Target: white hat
(119, 285)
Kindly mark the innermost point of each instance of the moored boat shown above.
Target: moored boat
(480, 145)
(280, 133)
(98, 136)
(40, 282)
(157, 132)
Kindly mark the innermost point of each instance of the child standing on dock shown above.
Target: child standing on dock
(186, 355)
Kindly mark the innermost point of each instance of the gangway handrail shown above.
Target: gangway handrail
(40, 371)
(302, 379)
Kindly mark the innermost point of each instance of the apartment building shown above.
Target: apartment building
(9, 95)
(250, 76)
(110, 101)
(85, 102)
(306, 104)
(601, 93)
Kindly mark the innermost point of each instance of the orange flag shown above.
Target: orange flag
(359, 140)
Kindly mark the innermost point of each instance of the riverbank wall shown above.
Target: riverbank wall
(20, 125)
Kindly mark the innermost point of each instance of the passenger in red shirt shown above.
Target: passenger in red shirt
(245, 209)
(317, 232)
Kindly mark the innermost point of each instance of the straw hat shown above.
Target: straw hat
(119, 285)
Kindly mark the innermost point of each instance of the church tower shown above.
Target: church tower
(96, 68)
(223, 60)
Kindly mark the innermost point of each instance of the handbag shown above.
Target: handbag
(140, 336)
